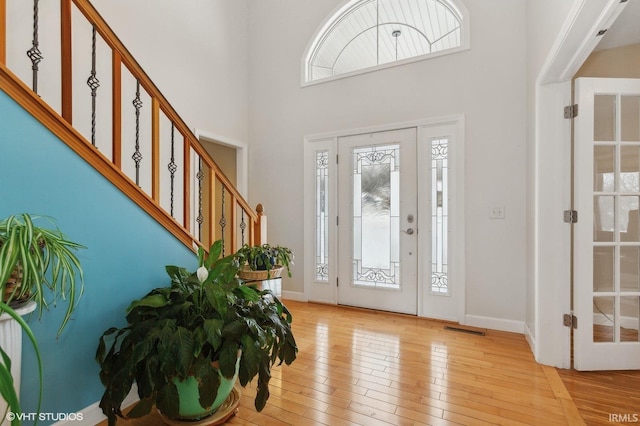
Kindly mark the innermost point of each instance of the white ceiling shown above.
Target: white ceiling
(625, 30)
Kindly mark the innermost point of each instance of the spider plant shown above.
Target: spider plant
(38, 258)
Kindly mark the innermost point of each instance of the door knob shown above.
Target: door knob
(408, 231)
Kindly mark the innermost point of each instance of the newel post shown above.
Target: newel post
(260, 227)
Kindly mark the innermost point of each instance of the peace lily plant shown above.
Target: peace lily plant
(206, 328)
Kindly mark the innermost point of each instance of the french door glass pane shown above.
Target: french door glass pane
(603, 218)
(603, 269)
(603, 319)
(629, 268)
(322, 216)
(376, 222)
(439, 216)
(604, 123)
(628, 223)
(630, 118)
(604, 168)
(630, 318)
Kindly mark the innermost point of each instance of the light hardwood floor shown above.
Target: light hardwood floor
(605, 397)
(373, 368)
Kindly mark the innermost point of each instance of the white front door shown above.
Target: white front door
(607, 234)
(384, 219)
(377, 240)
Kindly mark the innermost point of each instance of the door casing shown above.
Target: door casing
(549, 188)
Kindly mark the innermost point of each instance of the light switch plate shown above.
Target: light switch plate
(496, 212)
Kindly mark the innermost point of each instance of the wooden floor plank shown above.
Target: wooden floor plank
(362, 367)
(604, 397)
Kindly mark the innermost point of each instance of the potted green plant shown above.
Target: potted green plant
(36, 258)
(265, 257)
(191, 332)
(36, 263)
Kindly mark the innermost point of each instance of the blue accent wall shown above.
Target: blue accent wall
(125, 256)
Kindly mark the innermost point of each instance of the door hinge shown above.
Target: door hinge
(337, 220)
(571, 111)
(337, 161)
(337, 282)
(571, 216)
(569, 320)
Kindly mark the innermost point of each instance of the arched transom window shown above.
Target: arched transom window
(373, 33)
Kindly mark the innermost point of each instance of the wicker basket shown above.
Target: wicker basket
(248, 275)
(14, 284)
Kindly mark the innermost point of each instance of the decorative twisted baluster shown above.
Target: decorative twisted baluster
(243, 226)
(137, 155)
(172, 165)
(34, 53)
(93, 84)
(223, 221)
(200, 217)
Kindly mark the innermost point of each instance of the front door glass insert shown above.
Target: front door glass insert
(439, 216)
(322, 216)
(376, 216)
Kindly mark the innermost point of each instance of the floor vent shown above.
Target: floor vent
(464, 330)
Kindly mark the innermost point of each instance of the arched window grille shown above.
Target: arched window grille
(367, 34)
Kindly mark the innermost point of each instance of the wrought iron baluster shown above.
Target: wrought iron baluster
(172, 165)
(243, 226)
(223, 221)
(137, 155)
(34, 53)
(93, 84)
(200, 217)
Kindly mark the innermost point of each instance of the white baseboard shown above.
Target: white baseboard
(296, 296)
(495, 323)
(530, 338)
(323, 301)
(92, 415)
(440, 318)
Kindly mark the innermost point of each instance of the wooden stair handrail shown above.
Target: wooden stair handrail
(31, 102)
(94, 17)
(61, 125)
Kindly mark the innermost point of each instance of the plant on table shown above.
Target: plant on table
(266, 257)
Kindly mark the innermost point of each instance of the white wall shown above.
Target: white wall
(486, 83)
(195, 51)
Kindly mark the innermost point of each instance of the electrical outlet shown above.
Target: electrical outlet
(496, 212)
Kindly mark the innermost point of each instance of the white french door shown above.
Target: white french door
(377, 265)
(384, 224)
(607, 234)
